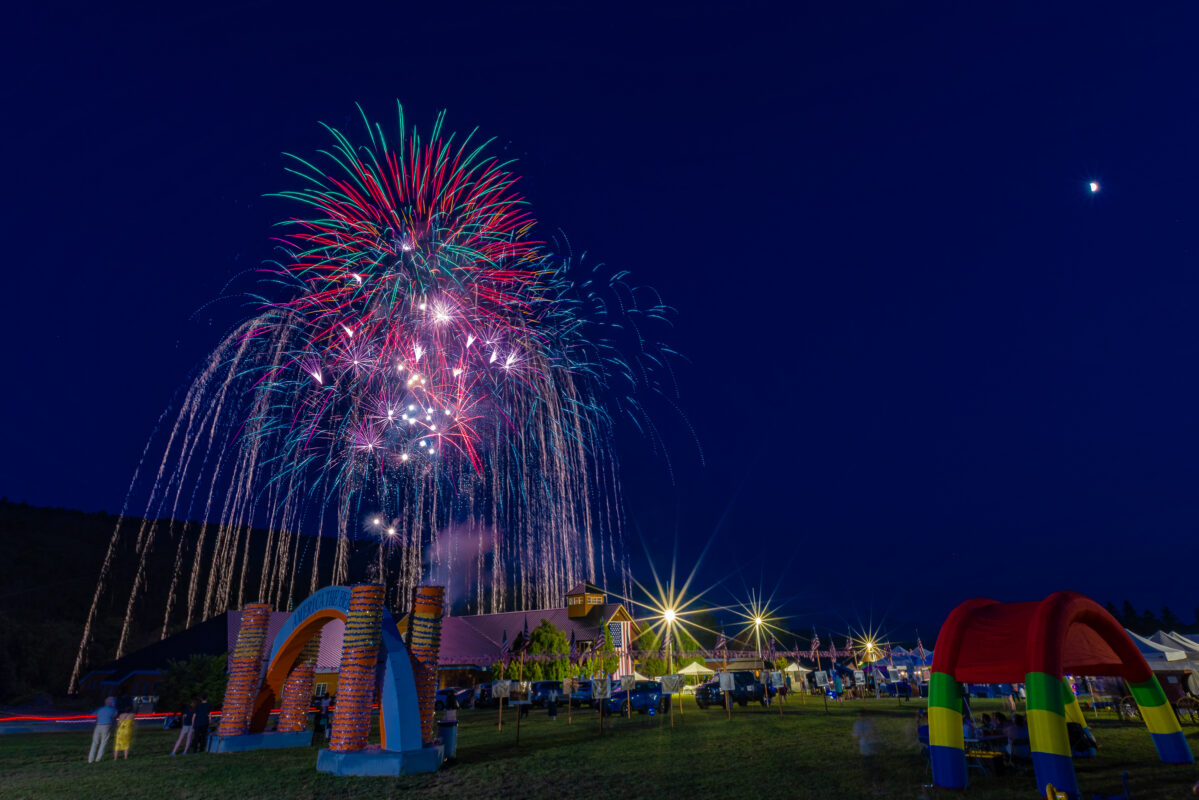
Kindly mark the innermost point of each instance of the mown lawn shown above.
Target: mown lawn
(804, 753)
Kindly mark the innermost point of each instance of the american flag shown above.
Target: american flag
(832, 649)
(522, 638)
(574, 649)
(815, 644)
(770, 650)
(615, 632)
(667, 640)
(920, 648)
(505, 648)
(599, 642)
(722, 641)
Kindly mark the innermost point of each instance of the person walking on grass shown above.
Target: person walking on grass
(200, 723)
(551, 704)
(185, 732)
(863, 731)
(106, 715)
(124, 736)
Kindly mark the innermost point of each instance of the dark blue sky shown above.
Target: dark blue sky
(935, 365)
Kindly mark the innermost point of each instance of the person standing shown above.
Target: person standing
(551, 704)
(200, 723)
(124, 738)
(185, 734)
(106, 715)
(863, 731)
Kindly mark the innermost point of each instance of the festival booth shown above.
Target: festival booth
(796, 671)
(1039, 643)
(1179, 675)
(693, 674)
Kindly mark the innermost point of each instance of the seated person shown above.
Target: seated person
(1018, 745)
(1082, 743)
(968, 729)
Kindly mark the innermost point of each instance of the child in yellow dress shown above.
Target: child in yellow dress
(124, 735)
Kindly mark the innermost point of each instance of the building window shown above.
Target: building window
(322, 689)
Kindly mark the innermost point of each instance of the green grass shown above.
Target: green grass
(804, 753)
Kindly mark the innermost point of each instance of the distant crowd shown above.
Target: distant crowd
(193, 723)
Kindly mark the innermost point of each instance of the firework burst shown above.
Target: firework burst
(419, 358)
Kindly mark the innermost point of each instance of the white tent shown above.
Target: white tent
(1156, 651)
(1189, 646)
(796, 667)
(696, 668)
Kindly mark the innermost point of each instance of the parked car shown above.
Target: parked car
(540, 690)
(644, 697)
(746, 689)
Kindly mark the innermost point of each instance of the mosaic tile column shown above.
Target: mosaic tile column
(297, 689)
(356, 681)
(245, 669)
(424, 642)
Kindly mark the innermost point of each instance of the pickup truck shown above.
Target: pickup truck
(746, 689)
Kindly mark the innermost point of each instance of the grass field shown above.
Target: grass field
(805, 753)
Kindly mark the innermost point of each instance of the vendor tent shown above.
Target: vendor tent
(1189, 646)
(1155, 650)
(796, 667)
(696, 668)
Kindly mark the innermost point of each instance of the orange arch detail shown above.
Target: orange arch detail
(289, 652)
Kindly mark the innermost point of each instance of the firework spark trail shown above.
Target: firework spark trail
(421, 357)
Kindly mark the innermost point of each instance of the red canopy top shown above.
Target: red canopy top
(984, 641)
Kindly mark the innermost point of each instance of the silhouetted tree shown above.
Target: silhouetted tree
(1169, 620)
(1128, 614)
(1111, 609)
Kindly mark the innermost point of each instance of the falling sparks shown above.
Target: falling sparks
(407, 252)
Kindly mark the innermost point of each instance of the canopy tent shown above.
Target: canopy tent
(907, 659)
(1155, 650)
(795, 666)
(1039, 643)
(1189, 646)
(696, 668)
(637, 676)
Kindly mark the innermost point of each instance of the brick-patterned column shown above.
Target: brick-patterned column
(297, 689)
(424, 642)
(245, 669)
(356, 680)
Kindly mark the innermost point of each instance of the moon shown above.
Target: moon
(1094, 186)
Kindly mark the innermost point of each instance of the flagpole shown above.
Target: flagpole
(519, 681)
(724, 667)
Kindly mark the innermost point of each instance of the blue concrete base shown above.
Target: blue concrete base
(257, 741)
(375, 762)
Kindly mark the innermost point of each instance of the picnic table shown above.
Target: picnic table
(984, 752)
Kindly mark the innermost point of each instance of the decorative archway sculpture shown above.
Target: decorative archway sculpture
(1038, 643)
(370, 638)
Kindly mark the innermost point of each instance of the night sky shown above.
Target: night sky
(925, 362)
